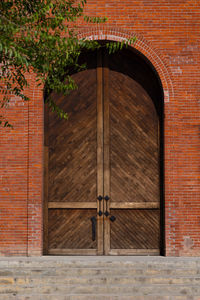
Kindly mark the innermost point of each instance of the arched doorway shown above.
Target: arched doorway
(103, 177)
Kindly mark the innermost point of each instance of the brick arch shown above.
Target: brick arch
(143, 47)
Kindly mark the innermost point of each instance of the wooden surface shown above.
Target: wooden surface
(135, 229)
(109, 146)
(100, 138)
(135, 252)
(72, 170)
(133, 142)
(71, 229)
(73, 146)
(106, 89)
(72, 205)
(134, 165)
(137, 205)
(72, 252)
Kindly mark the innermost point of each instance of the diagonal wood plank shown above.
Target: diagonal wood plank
(71, 229)
(72, 153)
(135, 229)
(134, 142)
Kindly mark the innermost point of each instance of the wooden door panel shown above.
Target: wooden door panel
(135, 229)
(72, 144)
(133, 160)
(71, 229)
(133, 142)
(72, 171)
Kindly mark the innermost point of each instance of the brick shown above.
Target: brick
(168, 35)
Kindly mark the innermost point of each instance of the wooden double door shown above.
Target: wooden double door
(102, 194)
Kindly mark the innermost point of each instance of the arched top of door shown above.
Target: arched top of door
(142, 51)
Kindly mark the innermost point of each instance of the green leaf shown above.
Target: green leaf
(41, 37)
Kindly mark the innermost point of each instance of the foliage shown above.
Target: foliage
(40, 36)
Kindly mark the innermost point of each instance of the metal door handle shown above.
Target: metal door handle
(94, 223)
(106, 212)
(100, 198)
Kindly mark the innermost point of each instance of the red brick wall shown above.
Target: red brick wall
(21, 169)
(168, 34)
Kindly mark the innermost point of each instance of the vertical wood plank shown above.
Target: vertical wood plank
(106, 154)
(46, 180)
(99, 151)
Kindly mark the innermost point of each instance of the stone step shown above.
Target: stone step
(55, 289)
(99, 280)
(101, 262)
(43, 271)
(109, 278)
(95, 297)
